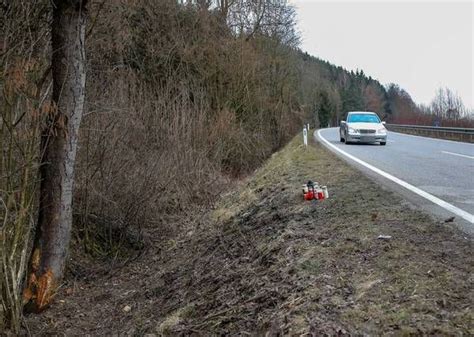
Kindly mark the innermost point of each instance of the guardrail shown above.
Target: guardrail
(459, 134)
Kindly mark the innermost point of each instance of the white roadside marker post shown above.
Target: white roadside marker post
(308, 126)
(305, 136)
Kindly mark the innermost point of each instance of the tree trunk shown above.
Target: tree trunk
(58, 148)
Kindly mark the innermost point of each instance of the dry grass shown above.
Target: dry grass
(266, 261)
(308, 267)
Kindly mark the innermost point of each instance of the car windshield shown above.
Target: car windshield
(363, 118)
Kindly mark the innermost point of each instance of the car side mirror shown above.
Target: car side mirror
(384, 123)
(343, 122)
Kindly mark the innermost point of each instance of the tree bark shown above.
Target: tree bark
(58, 148)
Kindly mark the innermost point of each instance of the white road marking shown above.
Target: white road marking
(447, 206)
(458, 154)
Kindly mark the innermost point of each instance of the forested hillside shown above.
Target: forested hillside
(181, 98)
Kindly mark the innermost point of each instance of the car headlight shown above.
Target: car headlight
(352, 130)
(382, 131)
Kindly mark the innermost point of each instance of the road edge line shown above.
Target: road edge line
(447, 206)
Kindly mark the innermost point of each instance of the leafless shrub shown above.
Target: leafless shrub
(176, 104)
(23, 103)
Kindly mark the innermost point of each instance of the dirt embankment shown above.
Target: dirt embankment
(264, 260)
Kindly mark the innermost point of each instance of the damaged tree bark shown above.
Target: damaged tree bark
(58, 148)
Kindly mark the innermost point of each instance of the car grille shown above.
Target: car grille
(366, 131)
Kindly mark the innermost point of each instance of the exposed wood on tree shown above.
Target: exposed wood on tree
(59, 145)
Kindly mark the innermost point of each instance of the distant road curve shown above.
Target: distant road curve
(436, 174)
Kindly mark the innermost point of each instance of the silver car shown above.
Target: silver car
(363, 127)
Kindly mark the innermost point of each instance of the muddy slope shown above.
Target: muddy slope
(264, 260)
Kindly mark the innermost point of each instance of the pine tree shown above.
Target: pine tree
(324, 108)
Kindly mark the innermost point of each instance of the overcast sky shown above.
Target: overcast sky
(419, 45)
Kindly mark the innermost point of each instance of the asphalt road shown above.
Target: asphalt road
(442, 171)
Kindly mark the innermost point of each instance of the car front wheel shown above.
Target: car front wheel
(341, 136)
(383, 143)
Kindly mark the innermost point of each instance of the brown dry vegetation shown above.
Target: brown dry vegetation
(178, 102)
(177, 105)
(263, 260)
(183, 100)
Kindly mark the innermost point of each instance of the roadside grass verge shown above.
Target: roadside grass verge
(282, 264)
(266, 261)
